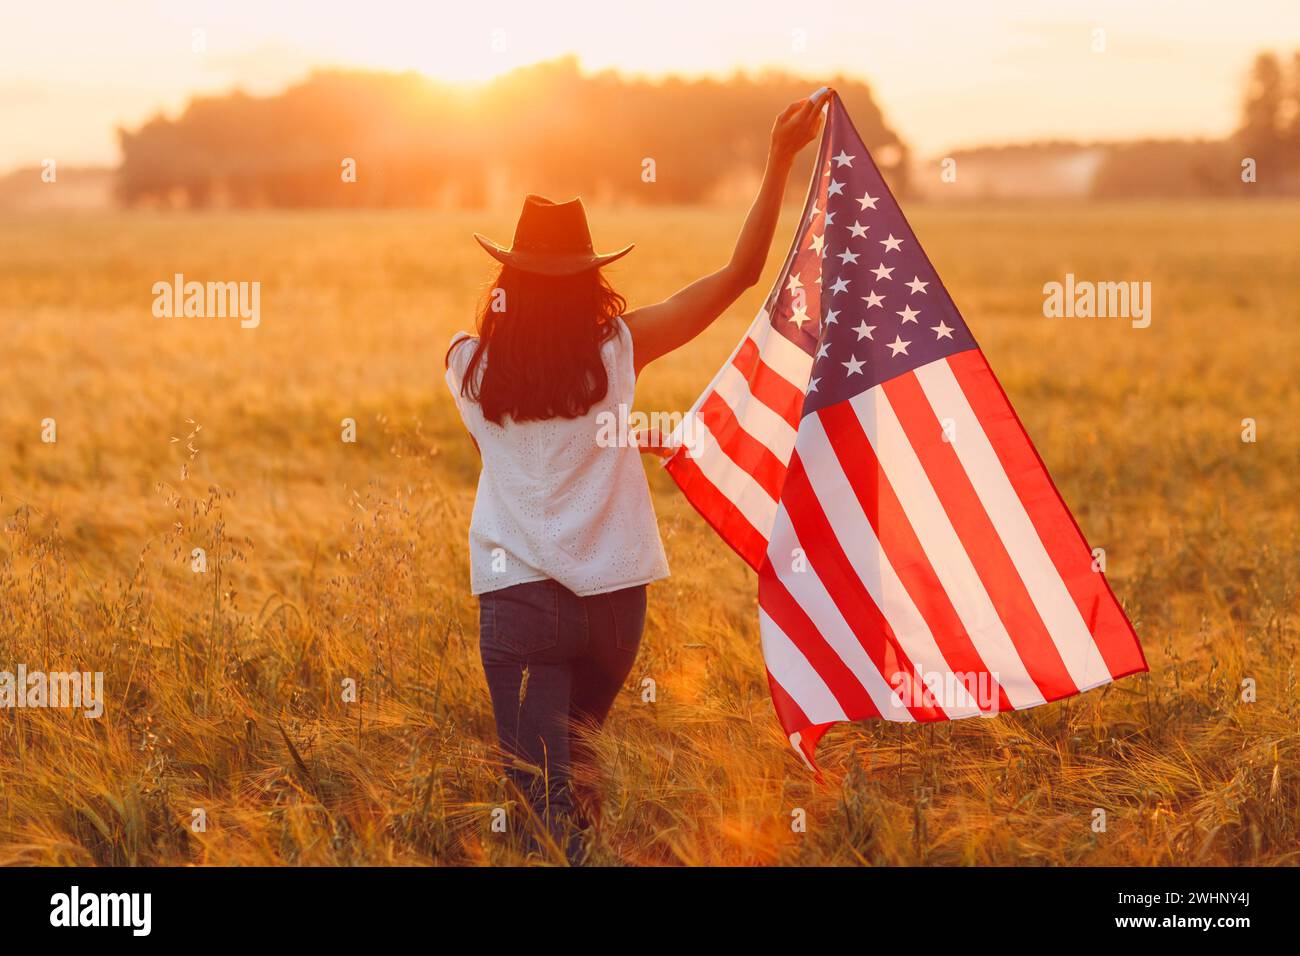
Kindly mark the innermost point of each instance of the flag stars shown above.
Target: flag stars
(829, 263)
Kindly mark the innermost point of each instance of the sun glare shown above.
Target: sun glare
(455, 47)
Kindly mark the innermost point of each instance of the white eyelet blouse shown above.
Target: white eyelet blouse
(556, 501)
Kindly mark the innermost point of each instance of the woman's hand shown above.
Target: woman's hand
(658, 329)
(796, 127)
(649, 441)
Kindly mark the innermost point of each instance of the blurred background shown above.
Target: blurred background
(240, 104)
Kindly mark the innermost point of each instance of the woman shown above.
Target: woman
(563, 538)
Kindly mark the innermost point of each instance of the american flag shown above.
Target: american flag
(915, 561)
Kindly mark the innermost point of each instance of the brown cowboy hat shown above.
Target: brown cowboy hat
(551, 238)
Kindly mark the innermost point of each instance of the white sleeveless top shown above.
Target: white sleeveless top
(553, 501)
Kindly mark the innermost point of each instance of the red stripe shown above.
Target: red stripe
(785, 612)
(979, 537)
(742, 447)
(789, 713)
(717, 509)
(837, 575)
(857, 459)
(1060, 533)
(795, 721)
(767, 385)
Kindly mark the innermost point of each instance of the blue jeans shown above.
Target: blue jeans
(554, 663)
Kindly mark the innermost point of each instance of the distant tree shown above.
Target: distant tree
(1291, 110)
(1167, 169)
(1263, 115)
(544, 128)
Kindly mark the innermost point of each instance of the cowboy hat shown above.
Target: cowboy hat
(551, 239)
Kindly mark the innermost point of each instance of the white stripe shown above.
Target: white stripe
(951, 564)
(782, 356)
(1051, 597)
(735, 483)
(762, 424)
(808, 591)
(756, 328)
(857, 537)
(796, 676)
(779, 354)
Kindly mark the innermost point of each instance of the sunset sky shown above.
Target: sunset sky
(946, 73)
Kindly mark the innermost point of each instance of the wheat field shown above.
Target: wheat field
(331, 561)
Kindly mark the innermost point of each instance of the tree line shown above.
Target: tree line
(1262, 157)
(354, 138)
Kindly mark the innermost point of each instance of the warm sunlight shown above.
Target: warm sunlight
(181, 49)
(434, 42)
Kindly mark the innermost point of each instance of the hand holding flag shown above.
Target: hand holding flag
(796, 127)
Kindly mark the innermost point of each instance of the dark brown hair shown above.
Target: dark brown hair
(538, 353)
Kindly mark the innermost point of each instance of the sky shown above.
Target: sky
(946, 73)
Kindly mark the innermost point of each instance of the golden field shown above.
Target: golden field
(330, 560)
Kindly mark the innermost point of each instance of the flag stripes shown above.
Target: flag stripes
(1070, 555)
(967, 514)
(915, 561)
(830, 685)
(1012, 525)
(924, 512)
(769, 386)
(716, 508)
(733, 389)
(873, 565)
(901, 421)
(897, 538)
(731, 475)
(833, 626)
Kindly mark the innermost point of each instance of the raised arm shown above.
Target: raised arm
(658, 329)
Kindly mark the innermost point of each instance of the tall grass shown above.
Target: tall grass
(330, 562)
